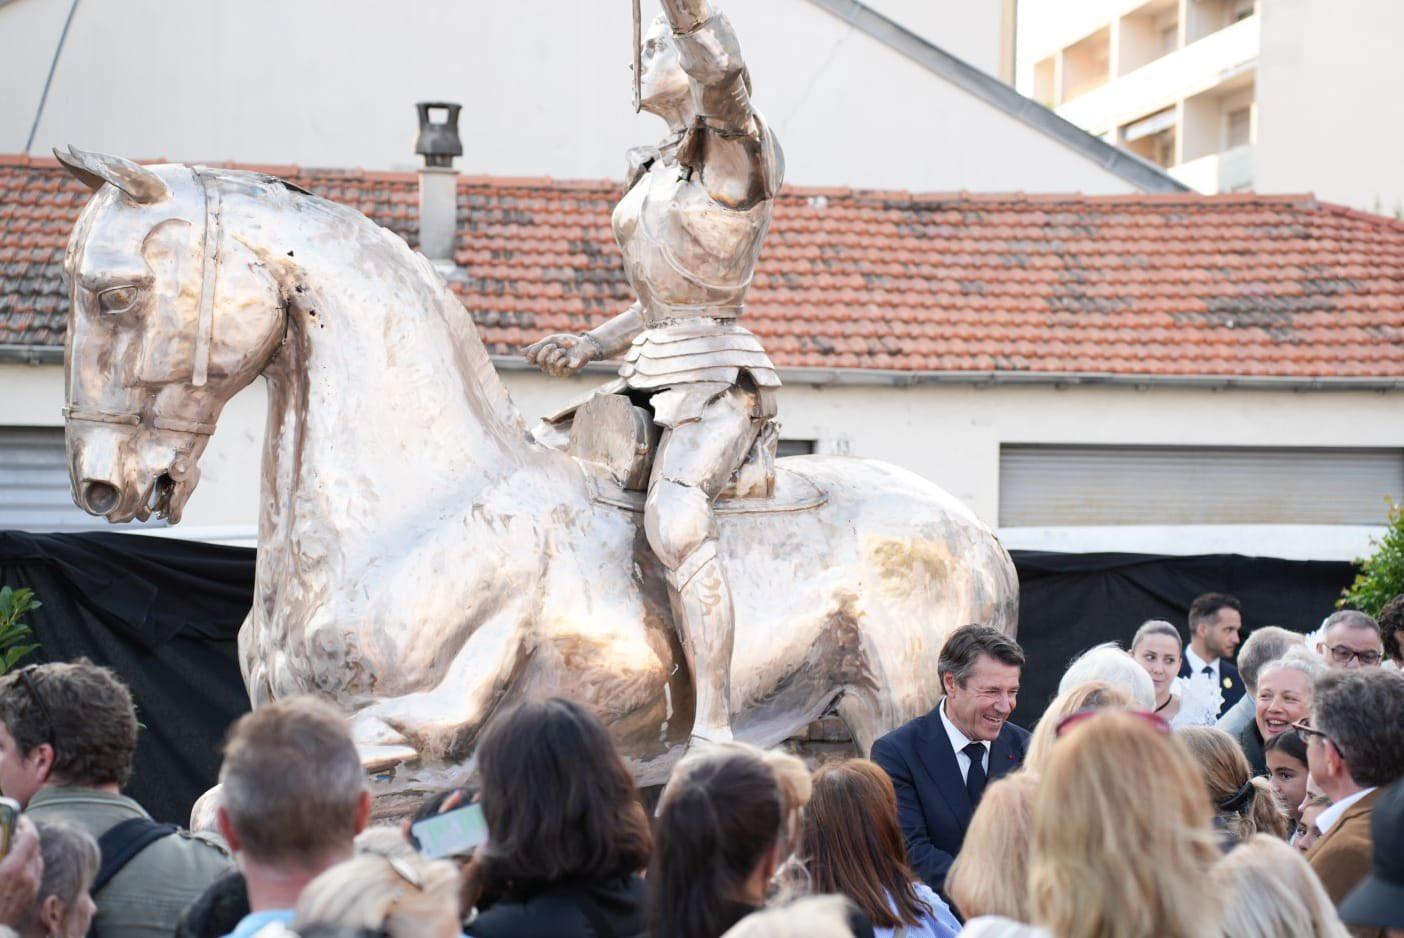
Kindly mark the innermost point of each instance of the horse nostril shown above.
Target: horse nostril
(99, 497)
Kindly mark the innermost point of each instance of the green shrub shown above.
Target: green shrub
(1381, 575)
(14, 634)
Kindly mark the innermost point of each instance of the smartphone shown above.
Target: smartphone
(9, 817)
(454, 833)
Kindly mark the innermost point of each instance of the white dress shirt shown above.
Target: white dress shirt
(959, 741)
(1327, 819)
(1197, 664)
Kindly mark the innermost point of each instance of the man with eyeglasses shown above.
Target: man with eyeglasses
(1355, 748)
(68, 732)
(1351, 639)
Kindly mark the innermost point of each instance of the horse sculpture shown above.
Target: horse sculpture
(423, 559)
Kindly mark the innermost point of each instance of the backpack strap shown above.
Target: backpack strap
(121, 843)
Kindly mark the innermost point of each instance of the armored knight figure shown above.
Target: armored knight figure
(690, 227)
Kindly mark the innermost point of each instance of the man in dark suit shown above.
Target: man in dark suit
(940, 763)
(1215, 619)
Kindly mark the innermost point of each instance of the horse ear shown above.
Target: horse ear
(93, 169)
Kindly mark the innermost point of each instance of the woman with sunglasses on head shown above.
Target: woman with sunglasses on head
(1122, 837)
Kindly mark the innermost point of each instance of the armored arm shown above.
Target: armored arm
(738, 159)
(613, 336)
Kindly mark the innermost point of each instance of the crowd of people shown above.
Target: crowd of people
(1163, 792)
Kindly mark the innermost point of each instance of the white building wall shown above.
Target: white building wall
(1329, 79)
(545, 87)
(951, 434)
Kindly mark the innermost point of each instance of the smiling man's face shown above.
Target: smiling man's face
(980, 707)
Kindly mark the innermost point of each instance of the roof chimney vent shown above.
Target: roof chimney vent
(438, 143)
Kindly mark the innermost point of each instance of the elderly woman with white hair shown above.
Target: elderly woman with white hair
(1108, 664)
(1283, 698)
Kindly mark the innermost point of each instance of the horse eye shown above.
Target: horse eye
(118, 299)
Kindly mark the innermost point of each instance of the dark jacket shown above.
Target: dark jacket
(932, 802)
(1230, 682)
(565, 910)
(1252, 742)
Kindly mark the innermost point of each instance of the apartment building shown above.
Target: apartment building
(1227, 95)
(1174, 81)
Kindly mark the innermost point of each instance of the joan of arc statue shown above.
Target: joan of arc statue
(690, 227)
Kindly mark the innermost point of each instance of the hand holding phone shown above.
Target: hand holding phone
(454, 833)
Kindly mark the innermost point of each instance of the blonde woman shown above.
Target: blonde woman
(813, 917)
(398, 897)
(1091, 695)
(1271, 892)
(1245, 805)
(990, 876)
(1122, 837)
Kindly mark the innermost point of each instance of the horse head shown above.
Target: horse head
(169, 319)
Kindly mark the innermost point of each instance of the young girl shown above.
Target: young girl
(1287, 771)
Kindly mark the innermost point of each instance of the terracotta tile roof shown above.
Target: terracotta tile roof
(1235, 285)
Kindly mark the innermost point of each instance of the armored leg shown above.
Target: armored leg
(695, 462)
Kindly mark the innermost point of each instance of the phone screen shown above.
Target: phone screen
(453, 833)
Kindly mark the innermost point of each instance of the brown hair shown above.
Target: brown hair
(292, 781)
(724, 807)
(965, 646)
(990, 875)
(1206, 607)
(853, 843)
(1246, 804)
(84, 711)
(558, 800)
(1362, 714)
(1122, 843)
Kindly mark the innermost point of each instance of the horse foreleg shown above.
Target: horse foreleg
(441, 724)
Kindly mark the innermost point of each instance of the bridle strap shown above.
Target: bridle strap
(209, 274)
(101, 416)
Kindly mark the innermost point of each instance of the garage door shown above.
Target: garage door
(1046, 486)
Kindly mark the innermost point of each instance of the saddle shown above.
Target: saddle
(617, 439)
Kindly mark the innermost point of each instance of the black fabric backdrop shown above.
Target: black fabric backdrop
(165, 614)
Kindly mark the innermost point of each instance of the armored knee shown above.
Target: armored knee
(677, 521)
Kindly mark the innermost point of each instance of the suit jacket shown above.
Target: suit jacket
(1230, 682)
(1343, 855)
(931, 799)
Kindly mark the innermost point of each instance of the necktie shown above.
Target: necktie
(975, 778)
(1208, 669)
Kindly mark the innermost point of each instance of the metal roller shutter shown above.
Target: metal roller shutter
(34, 489)
(1048, 486)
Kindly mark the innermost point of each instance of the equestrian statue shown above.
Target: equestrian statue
(424, 557)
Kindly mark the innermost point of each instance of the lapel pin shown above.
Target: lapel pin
(1228, 683)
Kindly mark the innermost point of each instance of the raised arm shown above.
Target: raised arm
(729, 147)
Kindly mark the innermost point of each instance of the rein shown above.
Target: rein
(211, 241)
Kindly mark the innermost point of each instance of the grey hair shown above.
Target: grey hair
(812, 917)
(965, 646)
(1265, 644)
(1155, 627)
(71, 860)
(1109, 664)
(1295, 659)
(1351, 619)
(1362, 714)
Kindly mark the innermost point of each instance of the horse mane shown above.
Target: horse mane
(470, 348)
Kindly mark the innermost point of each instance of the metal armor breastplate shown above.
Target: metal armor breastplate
(686, 255)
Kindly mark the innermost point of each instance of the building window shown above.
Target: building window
(35, 494)
(1240, 127)
(795, 448)
(1153, 137)
(1060, 486)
